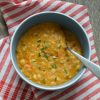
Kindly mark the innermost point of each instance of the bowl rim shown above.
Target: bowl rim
(50, 88)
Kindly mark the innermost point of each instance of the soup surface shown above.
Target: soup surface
(42, 56)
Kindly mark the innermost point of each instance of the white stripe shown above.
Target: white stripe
(13, 86)
(5, 67)
(10, 75)
(49, 8)
(59, 91)
(95, 59)
(54, 4)
(13, 12)
(6, 7)
(3, 51)
(80, 14)
(47, 97)
(78, 88)
(21, 89)
(23, 15)
(7, 81)
(84, 20)
(28, 94)
(96, 96)
(93, 51)
(72, 10)
(39, 93)
(90, 35)
(63, 7)
(96, 86)
(88, 27)
(1, 41)
(27, 13)
(85, 75)
(18, 9)
(92, 42)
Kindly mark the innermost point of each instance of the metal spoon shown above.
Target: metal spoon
(95, 69)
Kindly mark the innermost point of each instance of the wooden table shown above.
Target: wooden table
(94, 12)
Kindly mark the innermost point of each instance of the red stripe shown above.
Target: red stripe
(92, 47)
(21, 12)
(93, 56)
(86, 24)
(92, 94)
(10, 85)
(45, 94)
(5, 76)
(72, 87)
(2, 4)
(29, 2)
(13, 7)
(45, 6)
(31, 97)
(82, 17)
(3, 43)
(98, 98)
(57, 6)
(20, 20)
(4, 58)
(77, 11)
(68, 8)
(83, 90)
(24, 92)
(89, 31)
(11, 33)
(91, 38)
(16, 1)
(17, 89)
(36, 90)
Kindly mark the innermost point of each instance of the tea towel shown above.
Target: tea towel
(12, 87)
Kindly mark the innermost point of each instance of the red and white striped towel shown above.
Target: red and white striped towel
(11, 86)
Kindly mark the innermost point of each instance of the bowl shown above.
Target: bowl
(66, 22)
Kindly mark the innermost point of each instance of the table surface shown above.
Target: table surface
(94, 12)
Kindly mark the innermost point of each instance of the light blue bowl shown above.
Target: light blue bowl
(66, 22)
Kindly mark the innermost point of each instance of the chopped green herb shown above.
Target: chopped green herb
(39, 54)
(54, 66)
(65, 71)
(33, 60)
(43, 81)
(46, 56)
(39, 41)
(55, 78)
(42, 49)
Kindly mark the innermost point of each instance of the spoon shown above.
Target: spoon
(95, 69)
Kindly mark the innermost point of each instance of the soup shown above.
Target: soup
(42, 56)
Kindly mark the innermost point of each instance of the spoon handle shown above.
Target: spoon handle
(95, 69)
